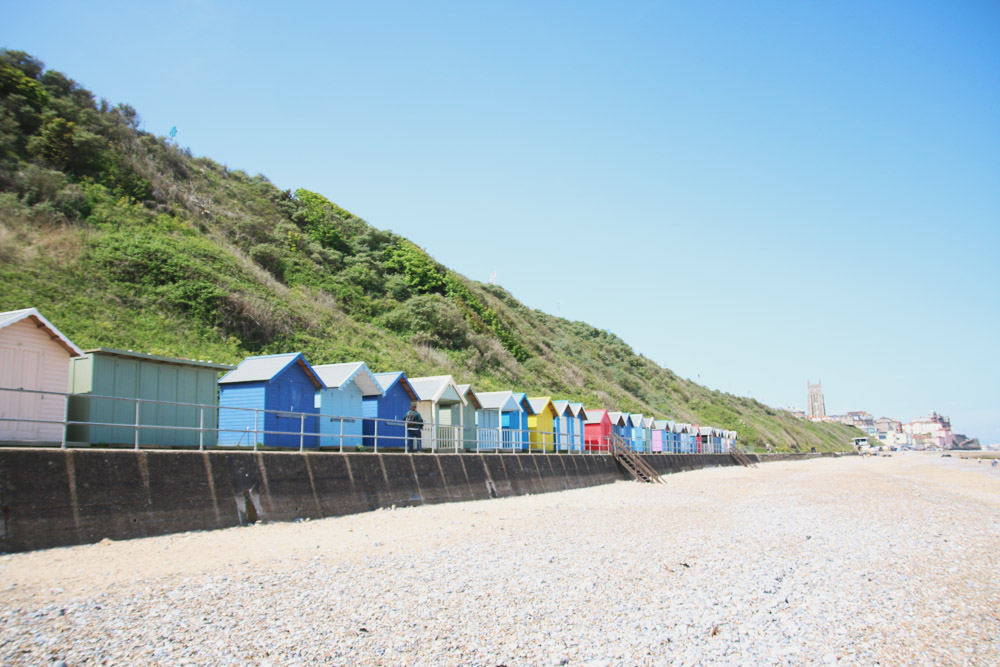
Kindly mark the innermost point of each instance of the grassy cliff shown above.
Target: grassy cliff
(125, 240)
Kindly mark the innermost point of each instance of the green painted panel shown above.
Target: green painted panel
(134, 377)
(184, 392)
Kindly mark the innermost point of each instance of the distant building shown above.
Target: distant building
(816, 406)
(932, 432)
(861, 420)
(888, 425)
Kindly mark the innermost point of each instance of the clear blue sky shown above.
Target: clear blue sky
(751, 194)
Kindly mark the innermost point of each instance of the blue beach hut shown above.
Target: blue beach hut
(563, 425)
(340, 402)
(638, 432)
(276, 396)
(522, 433)
(577, 423)
(680, 437)
(621, 425)
(502, 420)
(381, 412)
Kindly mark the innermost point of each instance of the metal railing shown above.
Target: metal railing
(27, 416)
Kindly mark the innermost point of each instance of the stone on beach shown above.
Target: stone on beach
(825, 561)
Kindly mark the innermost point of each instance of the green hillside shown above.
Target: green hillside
(125, 240)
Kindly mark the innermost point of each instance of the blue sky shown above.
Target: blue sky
(751, 194)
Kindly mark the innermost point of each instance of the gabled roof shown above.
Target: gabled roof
(504, 401)
(13, 316)
(648, 422)
(596, 415)
(540, 403)
(387, 380)
(665, 424)
(682, 428)
(620, 418)
(435, 388)
(465, 390)
(522, 398)
(259, 369)
(563, 409)
(578, 410)
(335, 376)
(706, 430)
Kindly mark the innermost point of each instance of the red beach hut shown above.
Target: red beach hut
(597, 430)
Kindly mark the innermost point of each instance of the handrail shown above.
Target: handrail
(641, 470)
(373, 433)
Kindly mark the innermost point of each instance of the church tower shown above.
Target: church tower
(817, 408)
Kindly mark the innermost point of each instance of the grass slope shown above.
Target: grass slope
(124, 240)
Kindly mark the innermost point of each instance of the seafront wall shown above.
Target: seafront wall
(55, 497)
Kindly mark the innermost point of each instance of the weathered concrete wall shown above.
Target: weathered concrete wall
(52, 497)
(665, 464)
(793, 456)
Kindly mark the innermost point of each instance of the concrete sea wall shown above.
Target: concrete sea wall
(52, 497)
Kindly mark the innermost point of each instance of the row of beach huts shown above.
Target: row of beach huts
(52, 391)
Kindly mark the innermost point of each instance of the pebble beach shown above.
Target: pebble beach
(853, 561)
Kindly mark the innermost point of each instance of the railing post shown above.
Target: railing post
(341, 435)
(201, 430)
(376, 436)
(137, 423)
(256, 422)
(302, 432)
(65, 435)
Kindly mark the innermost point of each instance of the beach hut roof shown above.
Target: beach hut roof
(132, 354)
(682, 428)
(504, 401)
(15, 316)
(706, 430)
(522, 398)
(578, 410)
(470, 396)
(436, 387)
(335, 376)
(258, 369)
(648, 422)
(596, 415)
(563, 409)
(387, 380)
(541, 403)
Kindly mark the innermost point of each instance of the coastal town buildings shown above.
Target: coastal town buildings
(859, 419)
(931, 432)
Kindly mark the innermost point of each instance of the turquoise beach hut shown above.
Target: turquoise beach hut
(469, 409)
(341, 402)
